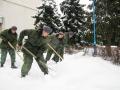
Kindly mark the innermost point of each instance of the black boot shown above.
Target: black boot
(22, 76)
(13, 66)
(55, 60)
(1, 65)
(45, 61)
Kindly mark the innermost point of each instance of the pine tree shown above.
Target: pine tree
(74, 15)
(88, 34)
(107, 20)
(74, 19)
(48, 15)
(114, 13)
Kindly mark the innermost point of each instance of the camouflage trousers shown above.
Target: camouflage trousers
(4, 55)
(28, 60)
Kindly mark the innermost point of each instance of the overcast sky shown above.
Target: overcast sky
(87, 2)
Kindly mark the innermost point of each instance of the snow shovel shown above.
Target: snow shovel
(15, 50)
(55, 51)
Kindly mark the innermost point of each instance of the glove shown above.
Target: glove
(19, 47)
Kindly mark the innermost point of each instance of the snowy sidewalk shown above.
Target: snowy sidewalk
(76, 72)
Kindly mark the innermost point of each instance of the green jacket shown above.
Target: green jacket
(55, 42)
(35, 42)
(6, 36)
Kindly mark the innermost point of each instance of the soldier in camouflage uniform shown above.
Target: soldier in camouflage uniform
(37, 44)
(70, 40)
(8, 35)
(57, 42)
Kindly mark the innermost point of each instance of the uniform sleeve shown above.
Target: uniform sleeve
(50, 38)
(15, 41)
(42, 48)
(53, 40)
(22, 35)
(41, 51)
(3, 35)
(66, 40)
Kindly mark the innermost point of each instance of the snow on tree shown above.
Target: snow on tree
(48, 15)
(74, 15)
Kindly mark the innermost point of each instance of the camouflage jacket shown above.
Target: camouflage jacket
(6, 36)
(35, 42)
(55, 42)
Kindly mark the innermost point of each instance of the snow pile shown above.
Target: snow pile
(76, 72)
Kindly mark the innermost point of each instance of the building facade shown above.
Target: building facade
(18, 13)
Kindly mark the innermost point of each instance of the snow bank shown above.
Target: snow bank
(76, 72)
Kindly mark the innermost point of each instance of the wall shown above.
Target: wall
(18, 15)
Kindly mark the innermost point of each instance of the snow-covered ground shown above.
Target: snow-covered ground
(76, 72)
